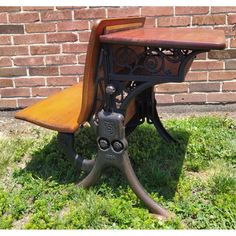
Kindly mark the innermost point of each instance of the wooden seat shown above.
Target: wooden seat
(65, 111)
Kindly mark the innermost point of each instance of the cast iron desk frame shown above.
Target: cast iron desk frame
(109, 125)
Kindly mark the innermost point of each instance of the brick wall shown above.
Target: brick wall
(43, 49)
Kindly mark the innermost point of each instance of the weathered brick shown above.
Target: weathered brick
(15, 92)
(191, 10)
(74, 48)
(233, 43)
(222, 75)
(224, 54)
(40, 28)
(196, 76)
(61, 60)
(28, 39)
(61, 81)
(232, 19)
(24, 17)
(44, 92)
(28, 61)
(61, 37)
(72, 70)
(11, 29)
(9, 9)
(174, 21)
(29, 82)
(230, 65)
(5, 40)
(13, 50)
(90, 13)
(8, 103)
(172, 88)
(38, 8)
(201, 56)
(9, 72)
(41, 71)
(56, 15)
(219, 9)
(164, 98)
(45, 49)
(228, 30)
(204, 87)
(229, 86)
(209, 20)
(150, 22)
(3, 18)
(6, 83)
(157, 11)
(123, 12)
(73, 25)
(82, 58)
(221, 97)
(25, 102)
(69, 7)
(207, 65)
(5, 61)
(190, 98)
(84, 36)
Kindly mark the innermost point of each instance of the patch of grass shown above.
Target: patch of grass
(195, 180)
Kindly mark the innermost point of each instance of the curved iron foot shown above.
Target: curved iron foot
(138, 189)
(66, 141)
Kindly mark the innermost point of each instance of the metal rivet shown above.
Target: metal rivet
(110, 89)
(103, 143)
(117, 146)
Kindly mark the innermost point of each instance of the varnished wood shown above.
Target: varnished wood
(184, 38)
(67, 110)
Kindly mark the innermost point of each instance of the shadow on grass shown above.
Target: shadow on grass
(157, 164)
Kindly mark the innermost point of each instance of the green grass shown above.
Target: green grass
(195, 180)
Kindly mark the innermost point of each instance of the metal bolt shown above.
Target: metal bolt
(103, 143)
(117, 146)
(110, 89)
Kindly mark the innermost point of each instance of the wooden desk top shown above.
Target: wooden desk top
(184, 38)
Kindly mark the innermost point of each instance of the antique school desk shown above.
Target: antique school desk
(124, 61)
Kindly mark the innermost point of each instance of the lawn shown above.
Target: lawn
(195, 180)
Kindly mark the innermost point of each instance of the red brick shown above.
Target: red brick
(228, 30)
(11, 29)
(84, 36)
(44, 92)
(229, 86)
(232, 19)
(28, 61)
(164, 98)
(157, 11)
(190, 98)
(233, 43)
(172, 88)
(12, 71)
(15, 92)
(196, 76)
(29, 39)
(222, 75)
(13, 50)
(223, 54)
(37, 8)
(174, 21)
(221, 97)
(6, 83)
(5, 40)
(201, 56)
(56, 15)
(150, 22)
(61, 81)
(61, 60)
(3, 18)
(8, 103)
(123, 12)
(5, 61)
(207, 65)
(29, 82)
(40, 28)
(74, 48)
(24, 17)
(230, 64)
(69, 7)
(61, 37)
(82, 58)
(73, 25)
(209, 20)
(41, 71)
(90, 13)
(25, 102)
(204, 87)
(223, 9)
(72, 70)
(191, 10)
(9, 9)
(45, 49)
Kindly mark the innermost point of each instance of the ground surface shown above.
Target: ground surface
(195, 180)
